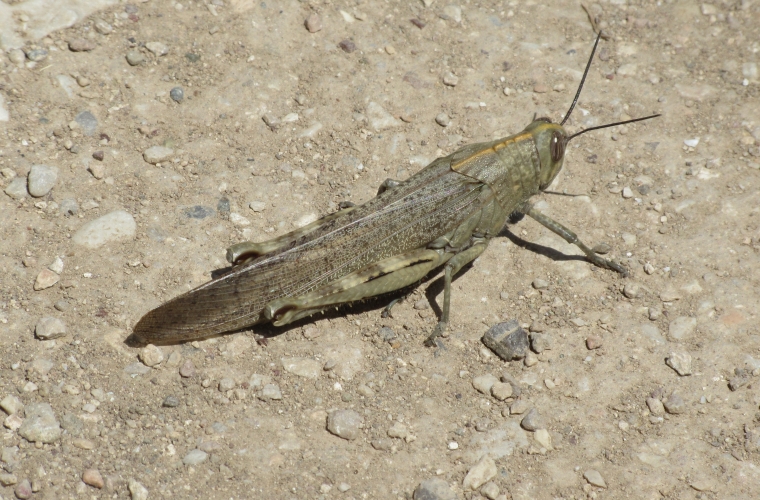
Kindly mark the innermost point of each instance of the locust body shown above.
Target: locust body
(444, 216)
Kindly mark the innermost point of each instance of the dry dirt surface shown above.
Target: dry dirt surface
(138, 144)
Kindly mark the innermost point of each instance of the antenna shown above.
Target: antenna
(583, 80)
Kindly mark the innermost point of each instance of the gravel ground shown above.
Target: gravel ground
(138, 144)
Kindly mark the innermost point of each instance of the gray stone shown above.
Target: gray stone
(45, 279)
(533, 421)
(195, 457)
(345, 424)
(40, 424)
(313, 23)
(16, 189)
(434, 489)
(480, 474)
(655, 406)
(88, 122)
(41, 180)
(151, 355)
(594, 478)
(137, 490)
(157, 48)
(23, 490)
(135, 57)
(398, 430)
(187, 369)
(303, 367)
(484, 383)
(443, 119)
(49, 328)
(507, 340)
(72, 424)
(136, 368)
(103, 27)
(674, 404)
(11, 404)
(113, 226)
(177, 94)
(680, 362)
(37, 55)
(540, 284)
(198, 212)
(157, 154)
(81, 45)
(501, 390)
(541, 342)
(170, 402)
(257, 206)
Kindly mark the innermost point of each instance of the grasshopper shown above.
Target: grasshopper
(443, 216)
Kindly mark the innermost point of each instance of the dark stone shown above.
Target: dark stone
(170, 402)
(177, 94)
(198, 212)
(507, 340)
(347, 46)
(223, 206)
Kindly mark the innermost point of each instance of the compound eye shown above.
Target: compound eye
(557, 146)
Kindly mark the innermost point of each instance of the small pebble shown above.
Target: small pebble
(37, 55)
(100, 156)
(594, 478)
(88, 123)
(313, 23)
(344, 423)
(398, 430)
(484, 383)
(41, 180)
(195, 457)
(23, 490)
(593, 342)
(434, 489)
(103, 27)
(11, 404)
(170, 402)
(480, 474)
(655, 406)
(443, 119)
(93, 478)
(501, 391)
(347, 46)
(135, 57)
(226, 384)
(532, 421)
(450, 79)
(8, 479)
(540, 88)
(97, 170)
(177, 94)
(257, 206)
(543, 438)
(45, 279)
(507, 340)
(81, 45)
(157, 154)
(16, 56)
(530, 359)
(40, 424)
(654, 313)
(541, 342)
(16, 189)
(382, 444)
(157, 48)
(49, 328)
(198, 212)
(151, 355)
(137, 490)
(632, 290)
(84, 444)
(680, 362)
(519, 407)
(627, 193)
(674, 404)
(540, 284)
(187, 369)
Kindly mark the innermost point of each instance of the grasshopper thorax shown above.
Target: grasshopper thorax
(550, 140)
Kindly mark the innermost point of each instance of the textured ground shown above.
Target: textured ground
(276, 125)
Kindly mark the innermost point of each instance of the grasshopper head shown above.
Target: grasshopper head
(550, 139)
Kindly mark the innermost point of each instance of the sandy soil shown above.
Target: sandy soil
(675, 198)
